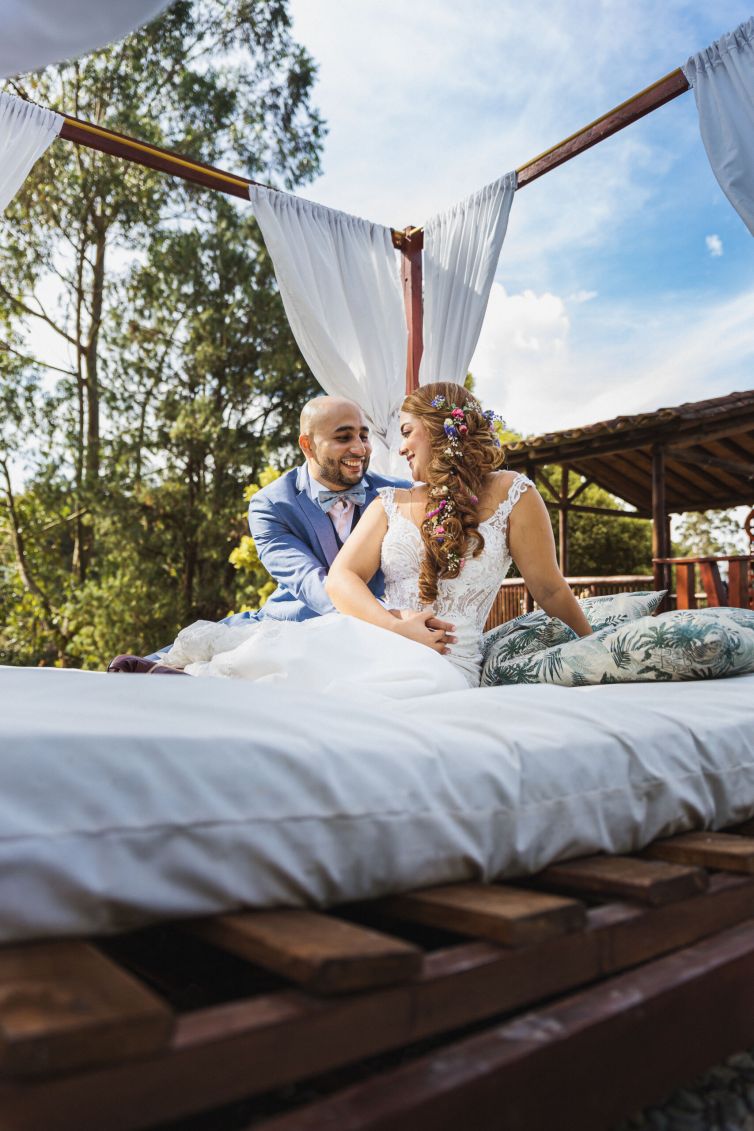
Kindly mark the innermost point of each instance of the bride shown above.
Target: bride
(444, 546)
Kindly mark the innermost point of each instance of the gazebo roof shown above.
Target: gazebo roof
(709, 453)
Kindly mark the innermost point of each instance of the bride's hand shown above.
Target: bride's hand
(424, 628)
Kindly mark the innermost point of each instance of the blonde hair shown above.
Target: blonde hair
(457, 471)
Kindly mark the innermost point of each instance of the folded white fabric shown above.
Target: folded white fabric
(128, 800)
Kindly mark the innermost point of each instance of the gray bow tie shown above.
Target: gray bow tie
(355, 495)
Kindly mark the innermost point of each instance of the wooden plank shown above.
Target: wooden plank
(411, 282)
(724, 851)
(656, 95)
(324, 954)
(587, 1061)
(650, 881)
(738, 584)
(63, 1005)
(709, 573)
(685, 585)
(244, 1048)
(507, 915)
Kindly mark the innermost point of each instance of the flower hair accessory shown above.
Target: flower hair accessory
(455, 424)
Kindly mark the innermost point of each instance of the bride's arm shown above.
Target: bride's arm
(532, 548)
(347, 587)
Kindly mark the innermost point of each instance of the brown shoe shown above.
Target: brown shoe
(131, 665)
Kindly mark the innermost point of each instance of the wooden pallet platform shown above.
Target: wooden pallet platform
(467, 995)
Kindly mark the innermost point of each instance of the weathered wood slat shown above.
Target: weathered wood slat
(63, 1005)
(650, 881)
(320, 952)
(222, 1054)
(507, 915)
(586, 1061)
(724, 851)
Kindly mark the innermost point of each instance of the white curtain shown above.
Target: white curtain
(722, 78)
(339, 281)
(25, 133)
(461, 251)
(38, 32)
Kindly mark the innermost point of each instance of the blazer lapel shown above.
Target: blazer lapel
(316, 517)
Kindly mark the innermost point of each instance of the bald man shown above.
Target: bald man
(300, 521)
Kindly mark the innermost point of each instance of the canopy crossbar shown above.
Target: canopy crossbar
(131, 149)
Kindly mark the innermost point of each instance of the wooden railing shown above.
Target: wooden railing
(737, 589)
(511, 600)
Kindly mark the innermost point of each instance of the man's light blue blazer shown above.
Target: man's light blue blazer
(296, 544)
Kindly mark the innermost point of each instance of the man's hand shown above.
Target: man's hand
(425, 628)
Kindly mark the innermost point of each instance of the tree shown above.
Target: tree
(175, 376)
(709, 532)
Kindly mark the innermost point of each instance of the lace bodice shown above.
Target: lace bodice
(464, 600)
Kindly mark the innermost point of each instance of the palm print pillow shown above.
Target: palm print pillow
(536, 631)
(683, 645)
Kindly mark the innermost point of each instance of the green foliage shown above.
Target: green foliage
(709, 532)
(253, 584)
(176, 378)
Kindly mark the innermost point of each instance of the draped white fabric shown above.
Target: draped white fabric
(461, 251)
(38, 32)
(25, 133)
(722, 78)
(339, 281)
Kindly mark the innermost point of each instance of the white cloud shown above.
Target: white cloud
(714, 245)
(546, 368)
(582, 296)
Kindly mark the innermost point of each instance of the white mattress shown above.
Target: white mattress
(128, 799)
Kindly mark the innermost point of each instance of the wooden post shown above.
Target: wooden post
(660, 549)
(563, 519)
(531, 473)
(411, 279)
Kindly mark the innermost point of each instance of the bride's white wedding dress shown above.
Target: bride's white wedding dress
(336, 652)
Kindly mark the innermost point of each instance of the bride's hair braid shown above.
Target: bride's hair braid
(457, 470)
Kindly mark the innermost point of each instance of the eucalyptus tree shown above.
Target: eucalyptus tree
(146, 352)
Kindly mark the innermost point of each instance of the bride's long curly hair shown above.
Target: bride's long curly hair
(457, 471)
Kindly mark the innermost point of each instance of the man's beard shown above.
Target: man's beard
(333, 472)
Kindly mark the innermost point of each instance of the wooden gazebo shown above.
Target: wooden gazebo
(698, 456)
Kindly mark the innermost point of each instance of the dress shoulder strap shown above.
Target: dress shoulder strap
(387, 494)
(520, 484)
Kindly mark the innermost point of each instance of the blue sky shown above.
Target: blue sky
(626, 280)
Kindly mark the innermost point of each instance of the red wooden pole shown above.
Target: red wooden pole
(411, 279)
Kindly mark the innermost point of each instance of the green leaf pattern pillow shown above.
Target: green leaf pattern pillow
(531, 632)
(618, 608)
(536, 631)
(683, 645)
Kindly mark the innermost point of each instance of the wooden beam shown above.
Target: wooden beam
(659, 549)
(563, 519)
(581, 487)
(64, 1006)
(655, 882)
(508, 915)
(242, 1048)
(153, 157)
(654, 96)
(739, 470)
(728, 852)
(324, 954)
(411, 281)
(603, 510)
(589, 1060)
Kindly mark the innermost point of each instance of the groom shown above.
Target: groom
(300, 521)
